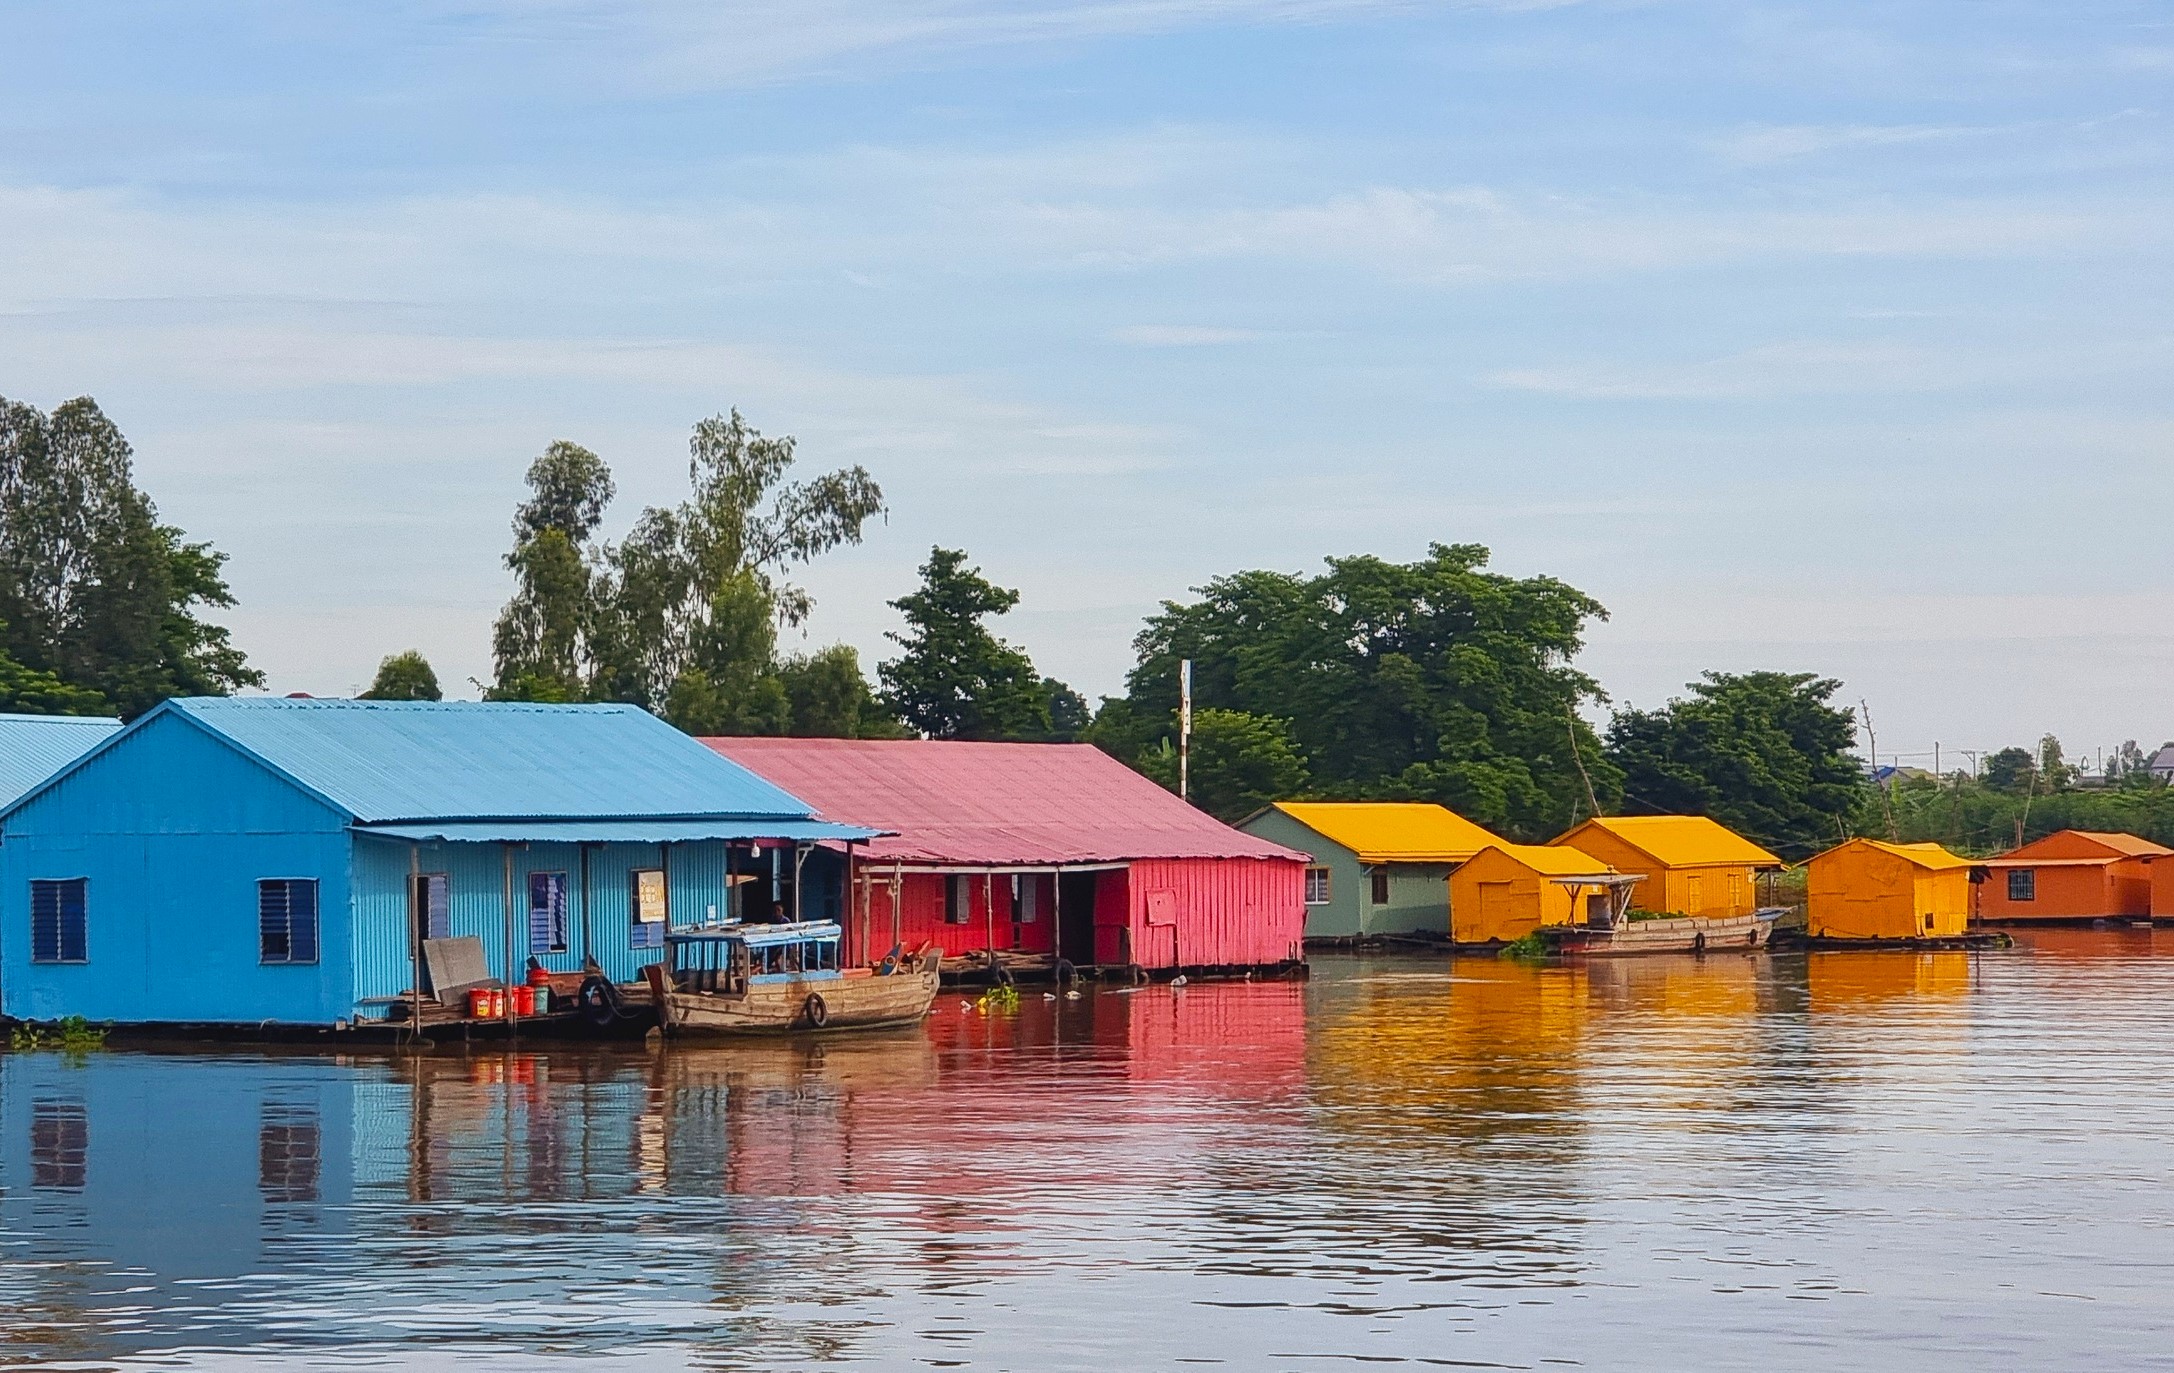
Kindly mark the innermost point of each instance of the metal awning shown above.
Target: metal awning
(618, 831)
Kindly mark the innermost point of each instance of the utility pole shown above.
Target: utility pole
(1185, 729)
(1872, 746)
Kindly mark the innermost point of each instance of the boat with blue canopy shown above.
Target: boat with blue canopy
(737, 978)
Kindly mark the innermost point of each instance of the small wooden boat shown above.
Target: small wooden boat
(1667, 934)
(1609, 927)
(782, 979)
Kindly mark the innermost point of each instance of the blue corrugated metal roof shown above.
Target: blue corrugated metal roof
(426, 760)
(620, 831)
(34, 747)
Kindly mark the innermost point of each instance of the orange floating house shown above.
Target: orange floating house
(1869, 889)
(1506, 891)
(2074, 875)
(1692, 865)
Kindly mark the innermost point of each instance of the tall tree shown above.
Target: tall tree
(542, 643)
(94, 590)
(1765, 753)
(829, 697)
(957, 680)
(404, 677)
(682, 616)
(1432, 680)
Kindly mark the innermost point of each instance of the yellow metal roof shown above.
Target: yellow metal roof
(1679, 841)
(1554, 860)
(1393, 831)
(1931, 857)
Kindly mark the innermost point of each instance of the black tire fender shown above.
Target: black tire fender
(815, 1010)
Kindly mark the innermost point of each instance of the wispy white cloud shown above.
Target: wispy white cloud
(1183, 335)
(1798, 368)
(695, 44)
(1785, 142)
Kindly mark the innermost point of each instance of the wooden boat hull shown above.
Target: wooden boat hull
(1682, 934)
(803, 1005)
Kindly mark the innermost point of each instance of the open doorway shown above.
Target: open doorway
(1076, 915)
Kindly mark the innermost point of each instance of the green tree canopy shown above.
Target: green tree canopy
(404, 677)
(682, 616)
(1239, 763)
(94, 591)
(957, 680)
(2010, 769)
(1762, 752)
(829, 698)
(1433, 680)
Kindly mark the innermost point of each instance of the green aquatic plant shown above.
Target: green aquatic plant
(71, 1035)
(1529, 947)
(996, 999)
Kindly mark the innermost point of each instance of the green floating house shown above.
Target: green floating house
(1379, 867)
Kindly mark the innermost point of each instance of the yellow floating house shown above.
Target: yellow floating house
(1506, 891)
(1868, 889)
(1692, 865)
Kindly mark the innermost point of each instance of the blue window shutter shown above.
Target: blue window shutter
(74, 934)
(287, 920)
(547, 912)
(58, 921)
(438, 905)
(302, 921)
(273, 945)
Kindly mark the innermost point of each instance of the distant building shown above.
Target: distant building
(1691, 865)
(34, 747)
(1017, 853)
(2072, 875)
(1868, 889)
(1379, 867)
(2162, 764)
(265, 860)
(1509, 890)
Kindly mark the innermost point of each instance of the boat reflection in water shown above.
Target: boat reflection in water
(1800, 1161)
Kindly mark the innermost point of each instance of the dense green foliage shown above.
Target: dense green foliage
(1239, 763)
(99, 601)
(682, 617)
(1435, 680)
(954, 679)
(1763, 753)
(1973, 816)
(405, 677)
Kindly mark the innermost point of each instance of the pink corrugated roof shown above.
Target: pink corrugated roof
(992, 804)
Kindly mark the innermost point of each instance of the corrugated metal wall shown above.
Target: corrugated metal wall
(599, 913)
(173, 829)
(921, 905)
(1226, 911)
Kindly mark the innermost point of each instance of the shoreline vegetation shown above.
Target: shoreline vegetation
(1431, 680)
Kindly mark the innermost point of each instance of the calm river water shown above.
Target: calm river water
(1837, 1161)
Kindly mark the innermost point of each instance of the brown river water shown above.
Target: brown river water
(1832, 1161)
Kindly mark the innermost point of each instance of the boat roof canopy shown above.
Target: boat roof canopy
(760, 936)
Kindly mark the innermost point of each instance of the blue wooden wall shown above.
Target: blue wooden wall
(173, 828)
(599, 914)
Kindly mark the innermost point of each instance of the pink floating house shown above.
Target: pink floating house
(1039, 852)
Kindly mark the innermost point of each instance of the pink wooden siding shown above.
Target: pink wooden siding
(1204, 912)
(921, 913)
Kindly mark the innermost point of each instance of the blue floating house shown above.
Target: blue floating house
(279, 861)
(34, 747)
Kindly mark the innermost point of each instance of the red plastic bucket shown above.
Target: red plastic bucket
(479, 1003)
(524, 1000)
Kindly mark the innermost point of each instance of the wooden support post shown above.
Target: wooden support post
(418, 913)
(506, 854)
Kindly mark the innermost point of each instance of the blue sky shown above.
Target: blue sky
(1817, 337)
